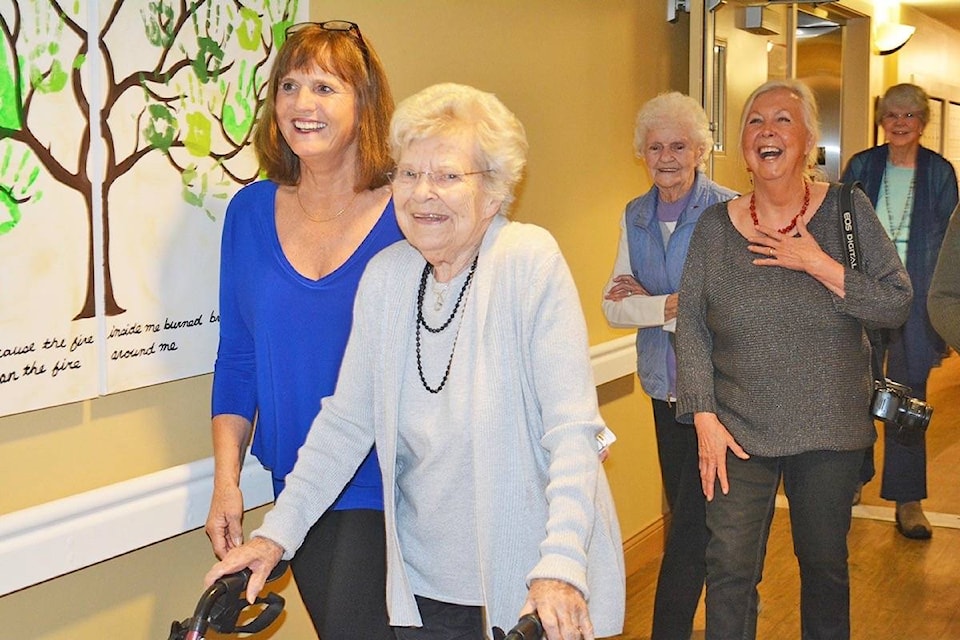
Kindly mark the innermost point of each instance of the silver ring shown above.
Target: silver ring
(771, 250)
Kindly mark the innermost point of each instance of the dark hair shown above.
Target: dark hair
(339, 53)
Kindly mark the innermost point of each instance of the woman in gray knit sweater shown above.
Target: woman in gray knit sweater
(774, 365)
(943, 301)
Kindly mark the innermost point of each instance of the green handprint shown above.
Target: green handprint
(161, 128)
(41, 64)
(18, 188)
(196, 188)
(11, 108)
(210, 40)
(280, 32)
(9, 211)
(158, 23)
(198, 120)
(250, 30)
(198, 134)
(280, 23)
(239, 106)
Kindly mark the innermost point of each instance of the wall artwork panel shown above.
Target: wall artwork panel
(125, 128)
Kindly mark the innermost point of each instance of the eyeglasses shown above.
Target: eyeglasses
(440, 179)
(893, 117)
(344, 26)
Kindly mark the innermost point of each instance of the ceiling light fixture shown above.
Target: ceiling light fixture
(889, 37)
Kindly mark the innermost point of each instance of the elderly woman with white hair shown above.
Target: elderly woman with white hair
(496, 504)
(673, 137)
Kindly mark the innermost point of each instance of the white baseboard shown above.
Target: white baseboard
(61, 536)
(614, 359)
(888, 514)
(58, 537)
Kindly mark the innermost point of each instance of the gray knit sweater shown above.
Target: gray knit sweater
(943, 301)
(782, 361)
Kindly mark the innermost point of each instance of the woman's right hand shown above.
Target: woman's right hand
(713, 440)
(225, 520)
(260, 555)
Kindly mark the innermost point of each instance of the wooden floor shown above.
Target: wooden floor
(900, 588)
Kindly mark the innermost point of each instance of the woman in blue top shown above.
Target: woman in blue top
(294, 247)
(673, 137)
(914, 190)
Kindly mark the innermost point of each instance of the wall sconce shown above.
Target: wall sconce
(888, 37)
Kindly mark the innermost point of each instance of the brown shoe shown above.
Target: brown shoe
(911, 522)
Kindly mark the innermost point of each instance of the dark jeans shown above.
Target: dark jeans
(904, 462)
(818, 485)
(340, 571)
(683, 568)
(444, 621)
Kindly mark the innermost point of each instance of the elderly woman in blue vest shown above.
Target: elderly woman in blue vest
(673, 137)
(914, 190)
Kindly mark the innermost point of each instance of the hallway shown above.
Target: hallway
(900, 588)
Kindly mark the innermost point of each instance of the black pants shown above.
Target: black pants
(340, 571)
(818, 485)
(444, 621)
(683, 568)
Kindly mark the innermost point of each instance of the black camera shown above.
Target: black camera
(892, 404)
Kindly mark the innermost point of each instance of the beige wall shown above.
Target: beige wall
(575, 72)
(927, 58)
(747, 69)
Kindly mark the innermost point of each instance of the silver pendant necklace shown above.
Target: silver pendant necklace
(421, 322)
(439, 293)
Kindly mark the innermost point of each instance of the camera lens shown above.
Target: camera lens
(915, 414)
(886, 405)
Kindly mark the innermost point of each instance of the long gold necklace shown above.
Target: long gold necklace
(331, 218)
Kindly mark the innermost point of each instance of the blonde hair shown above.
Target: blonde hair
(808, 108)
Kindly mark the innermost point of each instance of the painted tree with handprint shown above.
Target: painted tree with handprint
(194, 103)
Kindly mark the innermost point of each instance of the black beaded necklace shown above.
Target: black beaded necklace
(421, 322)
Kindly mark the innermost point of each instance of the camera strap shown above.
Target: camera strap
(851, 243)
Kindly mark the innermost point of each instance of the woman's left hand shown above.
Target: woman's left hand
(563, 611)
(624, 286)
(801, 252)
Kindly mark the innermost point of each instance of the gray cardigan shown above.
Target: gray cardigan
(782, 361)
(523, 384)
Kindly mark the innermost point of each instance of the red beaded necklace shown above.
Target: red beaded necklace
(793, 223)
